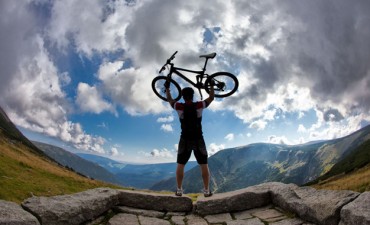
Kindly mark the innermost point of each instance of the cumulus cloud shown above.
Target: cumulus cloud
(214, 148)
(114, 151)
(129, 88)
(258, 124)
(165, 119)
(31, 85)
(163, 153)
(282, 140)
(229, 137)
(89, 99)
(167, 127)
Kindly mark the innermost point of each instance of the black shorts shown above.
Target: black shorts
(187, 146)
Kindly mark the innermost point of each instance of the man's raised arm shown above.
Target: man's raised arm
(169, 97)
(211, 96)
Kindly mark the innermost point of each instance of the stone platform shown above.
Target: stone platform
(269, 203)
(259, 216)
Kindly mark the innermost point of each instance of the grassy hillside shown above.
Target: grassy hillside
(351, 173)
(24, 173)
(358, 180)
(25, 170)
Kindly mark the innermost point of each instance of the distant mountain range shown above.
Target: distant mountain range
(231, 169)
(253, 164)
(138, 176)
(77, 163)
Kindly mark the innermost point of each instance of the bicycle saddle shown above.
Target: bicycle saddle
(211, 55)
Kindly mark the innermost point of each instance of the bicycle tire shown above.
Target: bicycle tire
(228, 79)
(160, 90)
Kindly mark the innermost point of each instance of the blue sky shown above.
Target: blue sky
(78, 74)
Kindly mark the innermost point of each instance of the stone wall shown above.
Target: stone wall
(317, 206)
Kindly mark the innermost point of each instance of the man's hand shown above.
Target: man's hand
(168, 93)
(211, 93)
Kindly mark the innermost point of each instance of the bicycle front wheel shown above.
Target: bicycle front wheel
(160, 90)
(225, 84)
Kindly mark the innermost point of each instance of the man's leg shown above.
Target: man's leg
(205, 175)
(180, 175)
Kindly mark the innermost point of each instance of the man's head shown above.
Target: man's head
(187, 94)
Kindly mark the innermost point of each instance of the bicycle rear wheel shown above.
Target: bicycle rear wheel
(160, 90)
(225, 85)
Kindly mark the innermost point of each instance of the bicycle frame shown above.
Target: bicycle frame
(199, 77)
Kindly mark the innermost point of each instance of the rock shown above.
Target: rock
(247, 198)
(318, 206)
(123, 218)
(195, 220)
(178, 220)
(291, 221)
(141, 212)
(218, 218)
(152, 221)
(254, 221)
(13, 214)
(72, 209)
(357, 212)
(270, 215)
(158, 202)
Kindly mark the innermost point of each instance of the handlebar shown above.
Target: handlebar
(168, 62)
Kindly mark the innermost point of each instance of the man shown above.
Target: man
(191, 139)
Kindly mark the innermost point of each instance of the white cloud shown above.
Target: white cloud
(301, 128)
(278, 140)
(114, 151)
(30, 83)
(160, 153)
(229, 137)
(165, 119)
(214, 148)
(167, 127)
(130, 88)
(258, 125)
(90, 100)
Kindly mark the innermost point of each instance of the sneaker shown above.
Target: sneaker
(179, 192)
(207, 193)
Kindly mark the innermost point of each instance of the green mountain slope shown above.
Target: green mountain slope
(25, 170)
(77, 163)
(351, 172)
(241, 167)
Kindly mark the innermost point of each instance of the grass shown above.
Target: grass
(351, 173)
(24, 173)
(358, 180)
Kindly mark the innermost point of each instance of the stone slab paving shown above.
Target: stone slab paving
(260, 216)
(142, 212)
(152, 221)
(218, 218)
(124, 218)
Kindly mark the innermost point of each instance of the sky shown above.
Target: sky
(78, 73)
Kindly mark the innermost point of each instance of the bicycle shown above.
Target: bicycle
(225, 84)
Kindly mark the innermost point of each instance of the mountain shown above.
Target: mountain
(108, 164)
(138, 176)
(351, 173)
(77, 163)
(253, 164)
(25, 170)
(11, 132)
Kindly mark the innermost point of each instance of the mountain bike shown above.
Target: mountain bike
(224, 83)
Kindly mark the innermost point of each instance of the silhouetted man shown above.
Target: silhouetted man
(191, 139)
